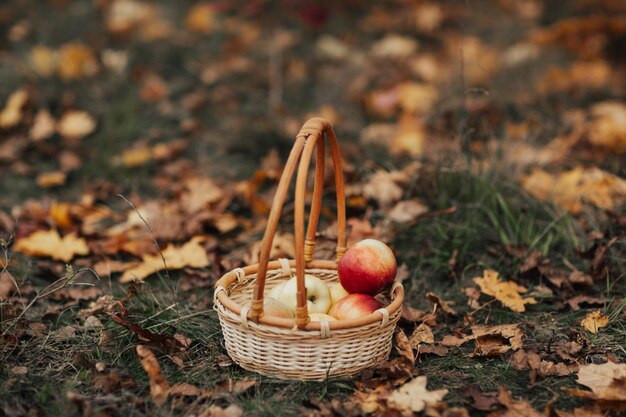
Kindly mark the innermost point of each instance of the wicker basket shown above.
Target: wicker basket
(296, 348)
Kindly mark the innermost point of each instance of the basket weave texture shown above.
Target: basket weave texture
(297, 348)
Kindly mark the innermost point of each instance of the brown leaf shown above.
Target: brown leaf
(11, 114)
(607, 382)
(438, 350)
(201, 18)
(407, 211)
(403, 347)
(232, 410)
(158, 385)
(484, 401)
(421, 334)
(75, 61)
(190, 254)
(51, 179)
(514, 408)
(581, 412)
(413, 397)
(184, 389)
(594, 321)
(507, 292)
(6, 285)
(49, 243)
(576, 301)
(571, 189)
(76, 124)
(445, 306)
(200, 193)
(383, 188)
(43, 127)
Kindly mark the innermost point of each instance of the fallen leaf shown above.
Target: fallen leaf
(489, 340)
(383, 188)
(594, 321)
(76, 124)
(43, 127)
(581, 412)
(153, 88)
(158, 385)
(6, 285)
(199, 193)
(19, 370)
(50, 243)
(403, 347)
(76, 61)
(421, 334)
(514, 408)
(11, 114)
(190, 254)
(232, 410)
(484, 401)
(607, 382)
(407, 211)
(608, 126)
(571, 189)
(413, 397)
(445, 306)
(394, 46)
(44, 60)
(51, 179)
(507, 292)
(201, 18)
(576, 301)
(128, 17)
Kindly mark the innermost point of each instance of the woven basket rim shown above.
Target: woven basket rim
(221, 295)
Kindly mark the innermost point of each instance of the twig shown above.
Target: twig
(66, 281)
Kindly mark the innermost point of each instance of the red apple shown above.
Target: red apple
(354, 306)
(367, 267)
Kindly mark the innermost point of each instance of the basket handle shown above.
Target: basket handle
(311, 135)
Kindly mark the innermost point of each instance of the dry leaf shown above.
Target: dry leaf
(201, 18)
(607, 382)
(394, 46)
(126, 17)
(490, 340)
(76, 61)
(608, 126)
(514, 408)
(190, 254)
(403, 347)
(407, 211)
(158, 385)
(199, 193)
(11, 114)
(6, 285)
(571, 189)
(383, 188)
(421, 334)
(445, 306)
(507, 292)
(49, 243)
(43, 127)
(51, 179)
(581, 412)
(232, 410)
(414, 397)
(76, 124)
(44, 60)
(594, 321)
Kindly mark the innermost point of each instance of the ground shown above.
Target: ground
(483, 141)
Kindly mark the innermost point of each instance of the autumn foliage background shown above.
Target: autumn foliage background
(140, 147)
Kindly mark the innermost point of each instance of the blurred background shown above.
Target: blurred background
(126, 96)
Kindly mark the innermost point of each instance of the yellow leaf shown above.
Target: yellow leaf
(201, 18)
(76, 124)
(11, 114)
(43, 126)
(571, 189)
(76, 61)
(51, 179)
(595, 320)
(136, 157)
(414, 397)
(50, 243)
(507, 292)
(44, 60)
(190, 254)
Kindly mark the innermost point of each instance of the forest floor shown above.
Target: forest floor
(484, 142)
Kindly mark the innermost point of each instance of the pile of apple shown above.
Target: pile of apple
(365, 270)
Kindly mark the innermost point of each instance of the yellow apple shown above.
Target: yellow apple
(273, 307)
(337, 292)
(317, 294)
(321, 316)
